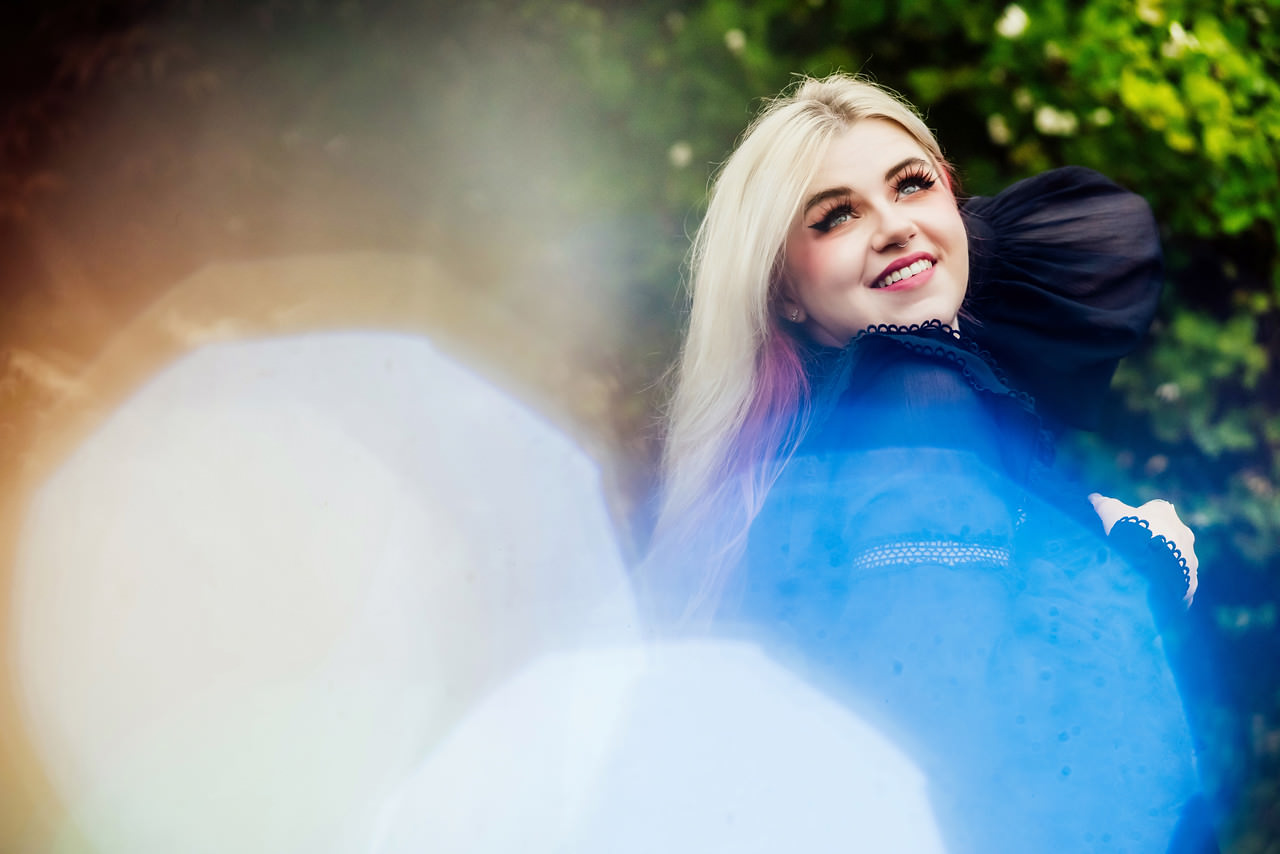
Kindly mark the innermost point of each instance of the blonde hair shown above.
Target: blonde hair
(740, 399)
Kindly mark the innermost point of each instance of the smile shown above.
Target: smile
(903, 273)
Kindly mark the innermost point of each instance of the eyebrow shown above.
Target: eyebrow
(841, 192)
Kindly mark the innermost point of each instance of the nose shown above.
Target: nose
(895, 229)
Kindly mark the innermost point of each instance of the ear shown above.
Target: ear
(785, 303)
(790, 310)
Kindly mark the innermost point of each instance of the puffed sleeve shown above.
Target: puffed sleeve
(1065, 276)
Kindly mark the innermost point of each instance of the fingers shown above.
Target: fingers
(1110, 510)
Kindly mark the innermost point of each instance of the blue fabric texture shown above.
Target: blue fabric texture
(907, 560)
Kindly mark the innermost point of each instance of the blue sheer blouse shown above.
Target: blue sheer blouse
(907, 560)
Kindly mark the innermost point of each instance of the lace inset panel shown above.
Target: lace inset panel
(940, 552)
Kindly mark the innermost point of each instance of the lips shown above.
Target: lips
(904, 268)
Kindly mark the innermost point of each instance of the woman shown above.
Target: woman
(857, 468)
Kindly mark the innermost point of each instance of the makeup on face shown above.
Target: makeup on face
(879, 238)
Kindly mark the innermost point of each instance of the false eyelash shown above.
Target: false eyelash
(838, 207)
(922, 177)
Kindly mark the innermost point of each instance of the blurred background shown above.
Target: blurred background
(548, 161)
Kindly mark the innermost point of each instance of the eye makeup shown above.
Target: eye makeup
(908, 179)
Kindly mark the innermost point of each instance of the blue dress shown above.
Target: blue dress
(908, 559)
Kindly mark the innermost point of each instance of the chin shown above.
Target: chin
(942, 311)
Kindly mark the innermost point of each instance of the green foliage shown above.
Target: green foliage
(1179, 100)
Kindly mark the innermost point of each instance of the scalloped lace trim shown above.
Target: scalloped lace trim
(957, 337)
(1158, 541)
(900, 335)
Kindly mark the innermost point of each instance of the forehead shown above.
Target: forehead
(863, 154)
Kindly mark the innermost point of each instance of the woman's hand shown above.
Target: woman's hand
(1162, 520)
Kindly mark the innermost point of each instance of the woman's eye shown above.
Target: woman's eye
(909, 185)
(835, 217)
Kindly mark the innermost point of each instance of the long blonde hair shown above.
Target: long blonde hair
(740, 398)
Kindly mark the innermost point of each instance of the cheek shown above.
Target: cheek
(800, 269)
(955, 239)
(825, 266)
(961, 240)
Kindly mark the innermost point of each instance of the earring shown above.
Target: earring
(795, 315)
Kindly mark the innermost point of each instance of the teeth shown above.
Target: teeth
(904, 273)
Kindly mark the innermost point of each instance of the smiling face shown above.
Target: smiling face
(879, 239)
